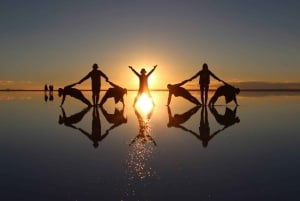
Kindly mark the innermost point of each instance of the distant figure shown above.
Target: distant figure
(226, 90)
(117, 93)
(143, 88)
(95, 76)
(177, 90)
(204, 81)
(45, 88)
(51, 88)
(68, 90)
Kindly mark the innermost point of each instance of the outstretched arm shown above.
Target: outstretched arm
(103, 75)
(152, 70)
(182, 83)
(214, 76)
(84, 78)
(137, 74)
(196, 75)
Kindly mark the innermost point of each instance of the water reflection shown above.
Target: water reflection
(205, 135)
(138, 170)
(96, 136)
(69, 121)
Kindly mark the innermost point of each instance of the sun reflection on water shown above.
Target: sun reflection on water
(144, 104)
(139, 171)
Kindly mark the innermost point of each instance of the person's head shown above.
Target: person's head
(95, 144)
(169, 86)
(143, 71)
(237, 90)
(237, 120)
(60, 92)
(205, 66)
(95, 66)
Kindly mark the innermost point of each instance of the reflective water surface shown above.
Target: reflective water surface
(180, 152)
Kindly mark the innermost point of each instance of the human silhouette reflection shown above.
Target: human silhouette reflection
(228, 119)
(46, 96)
(69, 121)
(144, 128)
(95, 136)
(116, 92)
(204, 129)
(117, 119)
(178, 119)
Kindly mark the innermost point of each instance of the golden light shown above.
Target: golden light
(144, 104)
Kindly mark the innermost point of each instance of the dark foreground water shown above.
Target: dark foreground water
(178, 153)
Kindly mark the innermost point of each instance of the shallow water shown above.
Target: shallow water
(75, 153)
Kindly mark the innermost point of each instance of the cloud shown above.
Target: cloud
(6, 82)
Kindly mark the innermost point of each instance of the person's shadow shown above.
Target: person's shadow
(178, 119)
(117, 119)
(144, 135)
(69, 121)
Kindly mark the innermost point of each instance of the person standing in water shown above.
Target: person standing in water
(204, 81)
(95, 76)
(143, 88)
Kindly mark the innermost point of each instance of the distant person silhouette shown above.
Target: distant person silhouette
(116, 92)
(144, 129)
(226, 90)
(95, 76)
(143, 86)
(204, 81)
(75, 93)
(69, 121)
(117, 119)
(95, 136)
(177, 90)
(178, 119)
(45, 88)
(226, 120)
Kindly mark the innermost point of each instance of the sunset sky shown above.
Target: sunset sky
(58, 41)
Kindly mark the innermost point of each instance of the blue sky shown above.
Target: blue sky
(58, 41)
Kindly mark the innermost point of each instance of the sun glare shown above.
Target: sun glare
(144, 103)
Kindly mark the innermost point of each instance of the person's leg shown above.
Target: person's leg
(213, 100)
(206, 95)
(202, 94)
(104, 99)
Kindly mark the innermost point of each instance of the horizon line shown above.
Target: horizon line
(261, 89)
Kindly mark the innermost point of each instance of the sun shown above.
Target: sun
(144, 103)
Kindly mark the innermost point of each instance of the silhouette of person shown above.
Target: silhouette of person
(95, 136)
(95, 76)
(143, 87)
(75, 93)
(73, 119)
(116, 92)
(204, 81)
(45, 88)
(226, 120)
(177, 90)
(116, 119)
(144, 129)
(178, 119)
(45, 97)
(226, 90)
